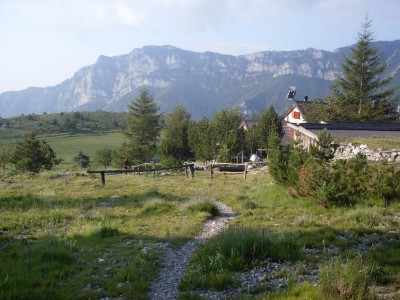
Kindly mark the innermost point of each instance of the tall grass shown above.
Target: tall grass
(236, 249)
(54, 229)
(345, 279)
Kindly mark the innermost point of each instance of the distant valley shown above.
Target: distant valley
(203, 82)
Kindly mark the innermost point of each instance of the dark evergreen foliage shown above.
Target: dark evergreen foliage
(143, 128)
(362, 94)
(226, 133)
(201, 140)
(323, 149)
(82, 159)
(269, 121)
(33, 155)
(174, 146)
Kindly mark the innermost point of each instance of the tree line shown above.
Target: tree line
(174, 137)
(360, 95)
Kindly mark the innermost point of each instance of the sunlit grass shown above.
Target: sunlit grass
(80, 221)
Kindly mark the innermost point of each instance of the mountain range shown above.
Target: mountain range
(204, 82)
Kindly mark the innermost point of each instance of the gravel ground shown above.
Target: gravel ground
(176, 260)
(271, 276)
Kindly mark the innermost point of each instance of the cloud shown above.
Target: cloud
(130, 16)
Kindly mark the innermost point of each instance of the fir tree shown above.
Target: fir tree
(323, 149)
(362, 94)
(201, 141)
(174, 145)
(269, 121)
(143, 128)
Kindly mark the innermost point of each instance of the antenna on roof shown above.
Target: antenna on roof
(292, 93)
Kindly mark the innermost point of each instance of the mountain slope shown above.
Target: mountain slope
(203, 82)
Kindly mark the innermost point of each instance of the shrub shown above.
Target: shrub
(82, 159)
(345, 280)
(384, 182)
(348, 182)
(33, 155)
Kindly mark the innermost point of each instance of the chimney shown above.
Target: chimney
(305, 98)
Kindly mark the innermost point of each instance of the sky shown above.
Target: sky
(43, 42)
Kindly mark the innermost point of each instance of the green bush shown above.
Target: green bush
(348, 182)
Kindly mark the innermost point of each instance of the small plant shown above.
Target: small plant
(368, 217)
(156, 206)
(206, 206)
(107, 231)
(249, 205)
(345, 279)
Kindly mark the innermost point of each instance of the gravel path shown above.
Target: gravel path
(176, 260)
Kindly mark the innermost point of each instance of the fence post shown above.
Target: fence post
(103, 178)
(211, 171)
(245, 171)
(191, 168)
(186, 173)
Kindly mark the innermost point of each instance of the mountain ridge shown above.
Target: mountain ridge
(204, 82)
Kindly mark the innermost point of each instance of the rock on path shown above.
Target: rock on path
(176, 260)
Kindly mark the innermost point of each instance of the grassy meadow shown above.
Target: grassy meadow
(69, 237)
(65, 236)
(68, 145)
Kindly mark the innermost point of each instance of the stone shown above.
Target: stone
(120, 285)
(363, 146)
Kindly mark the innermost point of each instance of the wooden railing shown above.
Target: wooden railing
(228, 168)
(189, 171)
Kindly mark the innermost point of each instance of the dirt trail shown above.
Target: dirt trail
(176, 260)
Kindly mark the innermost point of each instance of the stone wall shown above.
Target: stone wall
(348, 150)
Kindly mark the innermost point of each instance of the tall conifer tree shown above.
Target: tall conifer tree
(174, 145)
(362, 94)
(143, 128)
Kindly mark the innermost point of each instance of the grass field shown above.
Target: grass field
(67, 146)
(68, 237)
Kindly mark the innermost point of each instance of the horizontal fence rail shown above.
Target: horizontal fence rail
(224, 168)
(189, 171)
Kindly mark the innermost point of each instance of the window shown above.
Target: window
(296, 115)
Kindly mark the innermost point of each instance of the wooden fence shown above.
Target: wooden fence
(189, 171)
(227, 168)
(222, 168)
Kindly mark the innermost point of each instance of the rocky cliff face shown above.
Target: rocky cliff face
(203, 82)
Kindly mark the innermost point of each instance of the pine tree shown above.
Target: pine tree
(143, 128)
(269, 121)
(201, 141)
(323, 149)
(174, 145)
(82, 159)
(34, 155)
(226, 132)
(362, 94)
